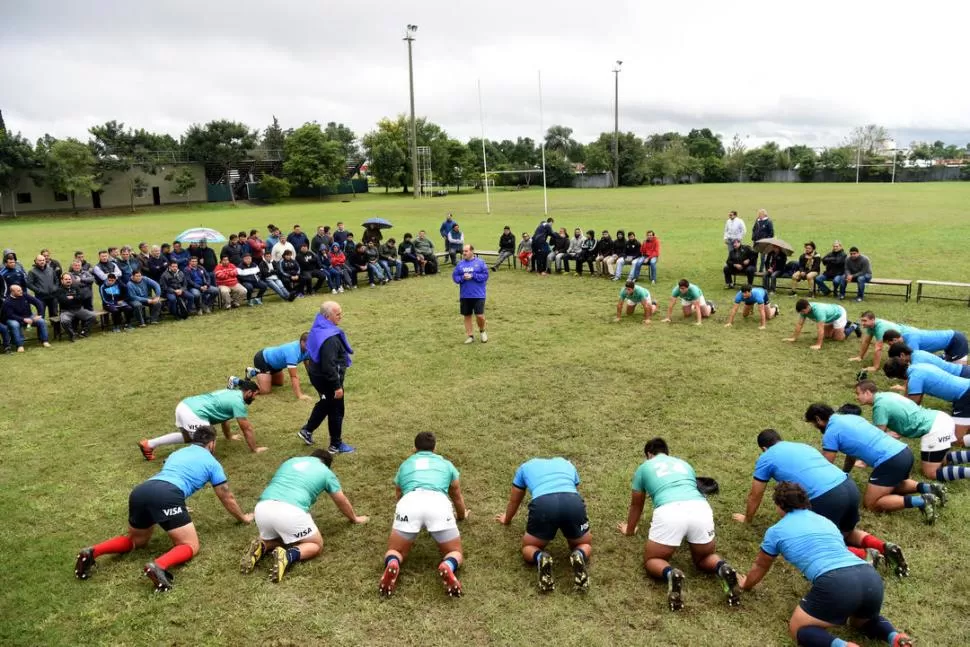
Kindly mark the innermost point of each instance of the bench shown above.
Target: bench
(950, 284)
(510, 261)
(905, 283)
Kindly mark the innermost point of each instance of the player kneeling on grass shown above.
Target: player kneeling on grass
(633, 295)
(935, 429)
(282, 514)
(753, 297)
(556, 505)
(269, 363)
(427, 484)
(161, 500)
(951, 343)
(845, 590)
(679, 511)
(831, 321)
(691, 301)
(890, 487)
(832, 494)
(926, 379)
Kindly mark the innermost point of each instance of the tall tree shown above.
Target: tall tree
(16, 160)
(633, 157)
(734, 157)
(395, 132)
(703, 143)
(386, 162)
(560, 138)
(344, 136)
(868, 138)
(183, 181)
(221, 142)
(312, 160)
(274, 137)
(123, 152)
(71, 168)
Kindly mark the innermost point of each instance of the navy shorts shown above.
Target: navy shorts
(157, 502)
(893, 471)
(565, 511)
(957, 348)
(259, 363)
(472, 306)
(840, 505)
(848, 592)
(961, 406)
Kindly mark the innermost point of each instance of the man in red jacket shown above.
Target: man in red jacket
(649, 254)
(230, 290)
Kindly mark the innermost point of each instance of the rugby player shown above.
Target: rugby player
(751, 297)
(679, 511)
(871, 329)
(427, 485)
(909, 356)
(268, 365)
(633, 295)
(925, 379)
(691, 300)
(951, 343)
(161, 501)
(830, 319)
(286, 529)
(556, 505)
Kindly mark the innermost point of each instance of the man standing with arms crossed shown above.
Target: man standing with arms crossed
(471, 275)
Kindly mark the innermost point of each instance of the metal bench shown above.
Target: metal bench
(949, 284)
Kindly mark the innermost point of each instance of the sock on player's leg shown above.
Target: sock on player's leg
(878, 628)
(817, 637)
(178, 555)
(913, 501)
(665, 575)
(173, 438)
(858, 552)
(584, 556)
(952, 473)
(923, 488)
(959, 457)
(452, 563)
(871, 541)
(391, 558)
(292, 555)
(536, 556)
(119, 544)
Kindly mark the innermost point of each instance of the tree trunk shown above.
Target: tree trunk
(386, 188)
(73, 201)
(13, 202)
(232, 193)
(131, 195)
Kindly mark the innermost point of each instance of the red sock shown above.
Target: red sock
(178, 555)
(871, 541)
(858, 552)
(119, 544)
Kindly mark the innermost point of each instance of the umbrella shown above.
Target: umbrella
(380, 222)
(765, 244)
(199, 235)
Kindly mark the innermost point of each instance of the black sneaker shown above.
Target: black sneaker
(896, 561)
(306, 436)
(862, 375)
(84, 563)
(162, 579)
(580, 575)
(729, 582)
(675, 588)
(546, 581)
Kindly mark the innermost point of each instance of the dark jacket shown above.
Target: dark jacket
(42, 282)
(289, 268)
(619, 247)
(506, 242)
(631, 248)
(561, 244)
(308, 262)
(834, 263)
(740, 254)
(156, 266)
(128, 267)
(71, 298)
(197, 278)
(407, 247)
(604, 247)
(332, 365)
(207, 258)
(234, 251)
(19, 309)
(113, 296)
(170, 282)
(762, 229)
(298, 240)
(83, 280)
(319, 242)
(102, 270)
(267, 269)
(809, 264)
(15, 276)
(776, 261)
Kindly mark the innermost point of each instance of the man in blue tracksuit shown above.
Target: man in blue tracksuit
(471, 275)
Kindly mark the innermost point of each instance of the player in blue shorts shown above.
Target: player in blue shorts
(953, 344)
(269, 364)
(556, 505)
(845, 590)
(909, 356)
(161, 501)
(833, 495)
(924, 379)
(890, 487)
(752, 298)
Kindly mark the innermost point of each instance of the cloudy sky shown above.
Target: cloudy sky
(791, 72)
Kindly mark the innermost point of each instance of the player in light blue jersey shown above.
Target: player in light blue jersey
(269, 364)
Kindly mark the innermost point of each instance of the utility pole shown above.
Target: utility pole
(616, 124)
(409, 37)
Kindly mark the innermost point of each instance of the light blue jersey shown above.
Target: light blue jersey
(285, 356)
(190, 468)
(799, 463)
(855, 436)
(923, 379)
(810, 542)
(546, 476)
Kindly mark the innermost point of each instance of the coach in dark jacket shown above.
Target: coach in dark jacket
(741, 260)
(330, 354)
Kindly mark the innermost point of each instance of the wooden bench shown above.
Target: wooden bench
(906, 283)
(510, 261)
(949, 284)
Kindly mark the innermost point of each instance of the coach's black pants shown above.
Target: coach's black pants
(327, 407)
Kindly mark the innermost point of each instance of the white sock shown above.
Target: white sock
(168, 439)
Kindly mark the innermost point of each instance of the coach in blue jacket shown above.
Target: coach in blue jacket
(471, 275)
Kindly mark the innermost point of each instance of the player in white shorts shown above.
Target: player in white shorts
(692, 301)
(427, 485)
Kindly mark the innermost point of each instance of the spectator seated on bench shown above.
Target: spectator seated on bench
(75, 319)
(741, 260)
(16, 312)
(809, 264)
(776, 266)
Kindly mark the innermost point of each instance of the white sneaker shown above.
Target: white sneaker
(340, 289)
(484, 336)
(470, 340)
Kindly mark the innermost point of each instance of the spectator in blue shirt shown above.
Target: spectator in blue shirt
(145, 294)
(297, 238)
(179, 255)
(201, 286)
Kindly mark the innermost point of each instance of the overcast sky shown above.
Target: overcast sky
(792, 72)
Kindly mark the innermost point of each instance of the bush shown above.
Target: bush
(275, 188)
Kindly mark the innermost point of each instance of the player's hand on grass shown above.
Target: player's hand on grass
(235, 437)
(762, 327)
(665, 320)
(855, 359)
(898, 387)
(742, 579)
(616, 320)
(860, 464)
(260, 450)
(893, 434)
(816, 346)
(360, 519)
(699, 324)
(728, 324)
(247, 518)
(647, 322)
(739, 517)
(306, 397)
(790, 340)
(623, 528)
(502, 519)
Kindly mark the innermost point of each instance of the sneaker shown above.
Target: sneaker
(116, 329)
(389, 578)
(84, 563)
(251, 372)
(146, 450)
(874, 557)
(232, 382)
(859, 300)
(902, 640)
(546, 581)
(306, 436)
(340, 290)
(484, 337)
(580, 575)
(862, 375)
(940, 492)
(278, 567)
(251, 557)
(161, 578)
(675, 588)
(858, 330)
(450, 580)
(373, 285)
(841, 297)
(259, 301)
(470, 340)
(851, 328)
(342, 448)
(929, 509)
(896, 561)
(729, 582)
(713, 306)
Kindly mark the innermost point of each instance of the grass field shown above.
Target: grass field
(556, 378)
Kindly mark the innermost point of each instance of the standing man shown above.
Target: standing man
(753, 297)
(286, 529)
(691, 300)
(556, 505)
(297, 238)
(43, 282)
(329, 353)
(200, 411)
(633, 295)
(268, 365)
(161, 500)
(540, 246)
(427, 485)
(831, 321)
(445, 229)
(763, 228)
(471, 275)
(734, 230)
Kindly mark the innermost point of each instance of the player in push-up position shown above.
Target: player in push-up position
(633, 295)
(691, 301)
(269, 364)
(161, 501)
(556, 505)
(752, 298)
(830, 319)
(951, 343)
(679, 511)
(427, 485)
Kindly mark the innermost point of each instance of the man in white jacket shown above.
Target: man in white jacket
(734, 229)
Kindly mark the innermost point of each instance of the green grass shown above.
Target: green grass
(555, 379)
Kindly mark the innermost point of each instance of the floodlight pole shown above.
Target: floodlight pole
(542, 140)
(481, 115)
(894, 163)
(858, 160)
(409, 37)
(616, 124)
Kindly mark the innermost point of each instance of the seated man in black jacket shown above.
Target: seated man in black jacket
(741, 260)
(310, 269)
(776, 265)
(506, 247)
(834, 268)
(250, 278)
(70, 298)
(290, 275)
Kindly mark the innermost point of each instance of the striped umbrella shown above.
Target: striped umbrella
(200, 234)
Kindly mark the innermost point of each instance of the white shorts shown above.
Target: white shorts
(673, 522)
(701, 301)
(283, 521)
(841, 322)
(187, 419)
(631, 303)
(424, 509)
(940, 436)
